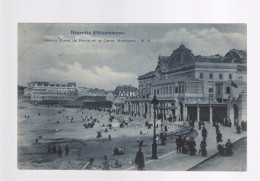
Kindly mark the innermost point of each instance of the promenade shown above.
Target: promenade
(182, 162)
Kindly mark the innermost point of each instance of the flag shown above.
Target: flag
(233, 84)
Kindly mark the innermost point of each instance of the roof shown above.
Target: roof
(149, 74)
(239, 56)
(38, 83)
(183, 57)
(213, 59)
(124, 88)
(71, 84)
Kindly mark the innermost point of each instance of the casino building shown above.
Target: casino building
(190, 87)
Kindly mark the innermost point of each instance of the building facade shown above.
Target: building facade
(121, 94)
(45, 91)
(190, 87)
(85, 91)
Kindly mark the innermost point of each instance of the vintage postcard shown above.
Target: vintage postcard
(168, 97)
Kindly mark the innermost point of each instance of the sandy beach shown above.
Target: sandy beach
(54, 127)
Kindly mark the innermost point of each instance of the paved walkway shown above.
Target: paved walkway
(181, 162)
(236, 162)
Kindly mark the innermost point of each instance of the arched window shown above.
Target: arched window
(220, 76)
(211, 76)
(201, 75)
(230, 76)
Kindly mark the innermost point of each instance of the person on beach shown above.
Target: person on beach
(49, 150)
(59, 151)
(90, 163)
(37, 140)
(105, 163)
(139, 159)
(67, 150)
(54, 149)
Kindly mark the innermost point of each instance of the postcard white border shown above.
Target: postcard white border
(120, 11)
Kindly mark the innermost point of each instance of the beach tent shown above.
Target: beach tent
(115, 123)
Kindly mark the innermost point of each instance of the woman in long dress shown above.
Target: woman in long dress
(139, 159)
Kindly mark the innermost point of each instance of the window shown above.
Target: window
(193, 87)
(227, 90)
(230, 76)
(201, 75)
(220, 76)
(210, 89)
(218, 90)
(211, 76)
(176, 89)
(182, 88)
(240, 78)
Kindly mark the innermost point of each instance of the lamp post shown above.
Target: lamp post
(154, 102)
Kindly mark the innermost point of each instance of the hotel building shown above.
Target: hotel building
(46, 91)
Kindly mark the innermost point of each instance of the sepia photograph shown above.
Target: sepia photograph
(126, 96)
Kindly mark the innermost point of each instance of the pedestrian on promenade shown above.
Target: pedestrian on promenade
(192, 145)
(139, 159)
(217, 127)
(204, 132)
(238, 129)
(203, 146)
(229, 146)
(178, 144)
(220, 148)
(186, 145)
(219, 137)
(199, 124)
(183, 144)
(165, 128)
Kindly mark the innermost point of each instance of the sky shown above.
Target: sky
(106, 65)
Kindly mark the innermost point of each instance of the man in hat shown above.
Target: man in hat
(139, 159)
